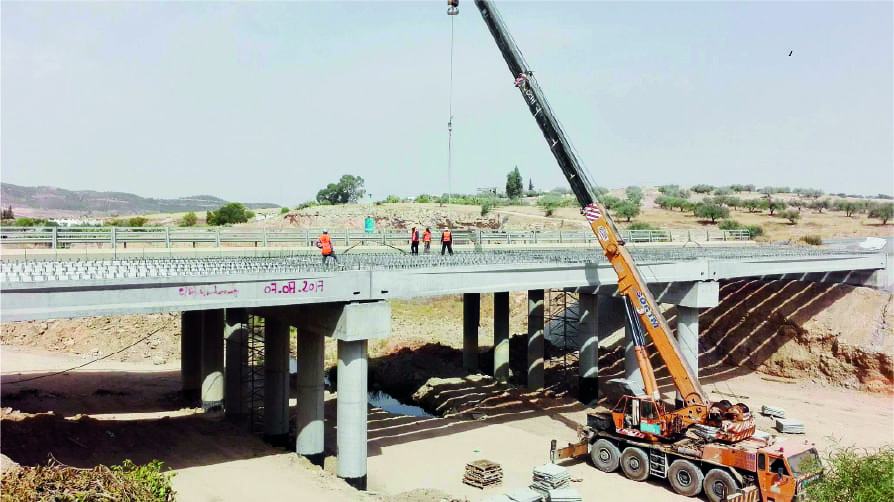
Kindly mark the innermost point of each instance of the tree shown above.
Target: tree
(190, 219)
(349, 189)
(883, 212)
(713, 211)
(392, 199)
(702, 188)
(792, 215)
(634, 194)
(550, 202)
(819, 205)
(514, 184)
(233, 212)
(627, 209)
(530, 185)
(610, 202)
(7, 214)
(776, 205)
(755, 205)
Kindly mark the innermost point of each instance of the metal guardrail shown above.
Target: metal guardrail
(61, 237)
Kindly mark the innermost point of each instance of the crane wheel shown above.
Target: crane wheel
(719, 484)
(605, 455)
(635, 463)
(685, 478)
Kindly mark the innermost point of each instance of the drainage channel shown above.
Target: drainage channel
(378, 398)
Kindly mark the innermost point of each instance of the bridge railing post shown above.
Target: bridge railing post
(167, 237)
(217, 237)
(55, 237)
(114, 237)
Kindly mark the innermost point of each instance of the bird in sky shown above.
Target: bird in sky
(790, 52)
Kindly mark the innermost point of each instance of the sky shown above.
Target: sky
(271, 101)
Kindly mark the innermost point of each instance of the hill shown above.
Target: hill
(49, 201)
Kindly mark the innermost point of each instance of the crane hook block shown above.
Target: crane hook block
(452, 7)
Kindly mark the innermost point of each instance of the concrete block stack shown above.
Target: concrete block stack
(549, 477)
(483, 473)
(789, 426)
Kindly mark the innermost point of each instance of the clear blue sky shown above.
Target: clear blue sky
(271, 101)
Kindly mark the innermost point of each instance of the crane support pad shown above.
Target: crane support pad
(572, 450)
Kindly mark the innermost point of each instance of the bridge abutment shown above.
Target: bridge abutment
(535, 339)
(471, 320)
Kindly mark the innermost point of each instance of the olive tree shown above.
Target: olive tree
(712, 211)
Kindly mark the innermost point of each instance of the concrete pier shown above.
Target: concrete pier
(501, 336)
(191, 354)
(352, 408)
(535, 339)
(212, 359)
(276, 382)
(687, 338)
(589, 347)
(471, 320)
(309, 420)
(236, 321)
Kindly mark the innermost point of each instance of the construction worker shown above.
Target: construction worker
(446, 241)
(325, 245)
(426, 238)
(414, 241)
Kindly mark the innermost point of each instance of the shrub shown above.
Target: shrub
(284, 210)
(879, 196)
(792, 215)
(667, 201)
(305, 205)
(812, 239)
(641, 225)
(610, 202)
(550, 203)
(855, 475)
(741, 188)
(728, 224)
(424, 198)
(755, 230)
(392, 199)
(56, 481)
(722, 191)
(233, 212)
(486, 206)
(190, 219)
(137, 221)
(34, 222)
(703, 188)
(674, 191)
(634, 194)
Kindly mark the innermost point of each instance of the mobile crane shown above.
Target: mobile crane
(699, 445)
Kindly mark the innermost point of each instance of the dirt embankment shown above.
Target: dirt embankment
(836, 334)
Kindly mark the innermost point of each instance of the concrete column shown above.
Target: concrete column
(236, 334)
(501, 336)
(471, 320)
(191, 354)
(631, 365)
(351, 407)
(687, 336)
(588, 340)
(276, 382)
(535, 339)
(212, 359)
(309, 420)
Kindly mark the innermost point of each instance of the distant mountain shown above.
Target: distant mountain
(105, 203)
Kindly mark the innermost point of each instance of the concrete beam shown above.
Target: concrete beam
(191, 354)
(471, 321)
(535, 339)
(696, 294)
(352, 411)
(276, 382)
(501, 336)
(309, 419)
(236, 335)
(212, 359)
(342, 321)
(588, 330)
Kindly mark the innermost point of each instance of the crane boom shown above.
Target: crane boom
(630, 282)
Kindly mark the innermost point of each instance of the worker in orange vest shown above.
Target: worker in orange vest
(446, 242)
(414, 241)
(325, 245)
(426, 238)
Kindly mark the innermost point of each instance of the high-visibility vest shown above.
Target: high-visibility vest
(415, 235)
(326, 244)
(445, 237)
(426, 237)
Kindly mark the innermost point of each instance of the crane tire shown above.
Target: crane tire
(605, 455)
(719, 484)
(635, 463)
(685, 478)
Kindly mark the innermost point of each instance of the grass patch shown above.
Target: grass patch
(127, 482)
(856, 475)
(812, 239)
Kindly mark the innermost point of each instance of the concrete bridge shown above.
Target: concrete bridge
(347, 302)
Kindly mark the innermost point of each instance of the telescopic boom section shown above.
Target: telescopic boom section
(630, 282)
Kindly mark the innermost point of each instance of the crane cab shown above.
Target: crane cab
(640, 417)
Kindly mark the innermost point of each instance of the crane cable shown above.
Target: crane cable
(450, 120)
